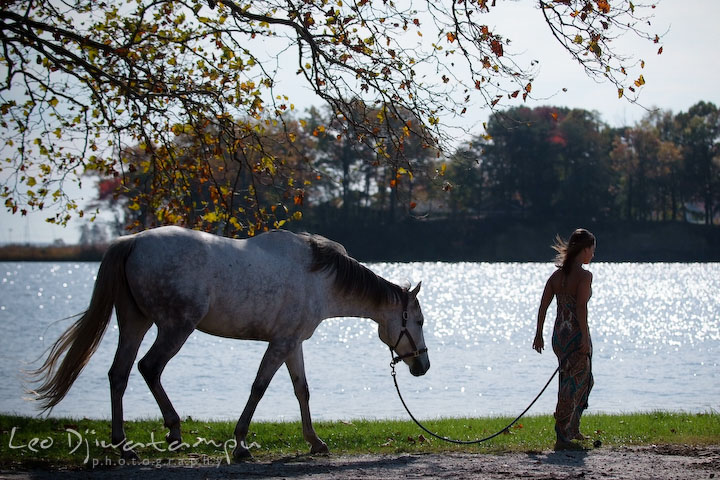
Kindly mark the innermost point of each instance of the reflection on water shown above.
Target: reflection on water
(655, 327)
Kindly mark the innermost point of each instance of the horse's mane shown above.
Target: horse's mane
(351, 278)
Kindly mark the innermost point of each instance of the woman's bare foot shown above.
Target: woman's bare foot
(560, 445)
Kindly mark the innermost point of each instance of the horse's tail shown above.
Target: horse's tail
(83, 337)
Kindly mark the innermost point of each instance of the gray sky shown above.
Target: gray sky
(687, 72)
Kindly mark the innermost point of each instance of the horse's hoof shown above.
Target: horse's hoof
(321, 448)
(174, 441)
(129, 455)
(242, 454)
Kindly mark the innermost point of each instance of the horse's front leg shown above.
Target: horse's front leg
(296, 367)
(274, 357)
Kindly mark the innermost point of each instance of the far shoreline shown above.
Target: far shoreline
(457, 240)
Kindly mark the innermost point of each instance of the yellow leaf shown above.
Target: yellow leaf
(211, 217)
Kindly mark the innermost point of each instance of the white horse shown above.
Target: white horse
(276, 287)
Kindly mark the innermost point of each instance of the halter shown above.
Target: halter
(404, 332)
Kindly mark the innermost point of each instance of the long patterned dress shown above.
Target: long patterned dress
(576, 379)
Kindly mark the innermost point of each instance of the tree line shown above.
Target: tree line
(557, 162)
(545, 162)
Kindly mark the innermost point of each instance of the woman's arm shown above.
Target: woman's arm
(582, 297)
(547, 296)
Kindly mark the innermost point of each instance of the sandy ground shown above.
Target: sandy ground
(655, 462)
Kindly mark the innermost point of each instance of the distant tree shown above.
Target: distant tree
(583, 169)
(93, 234)
(670, 163)
(699, 136)
(341, 157)
(521, 157)
(465, 180)
(359, 181)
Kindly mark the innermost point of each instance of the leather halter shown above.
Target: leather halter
(405, 332)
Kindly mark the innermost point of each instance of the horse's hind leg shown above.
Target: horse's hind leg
(296, 367)
(132, 326)
(274, 357)
(170, 338)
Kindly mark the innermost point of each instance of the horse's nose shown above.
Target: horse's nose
(420, 366)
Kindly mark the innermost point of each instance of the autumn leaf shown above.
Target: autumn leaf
(497, 48)
(603, 6)
(451, 37)
(640, 81)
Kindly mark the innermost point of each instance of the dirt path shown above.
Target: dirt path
(655, 462)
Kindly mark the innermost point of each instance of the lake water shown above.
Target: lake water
(655, 328)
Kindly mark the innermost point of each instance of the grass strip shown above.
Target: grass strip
(36, 442)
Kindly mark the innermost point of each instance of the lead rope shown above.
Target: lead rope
(467, 442)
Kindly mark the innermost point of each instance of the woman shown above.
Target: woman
(571, 285)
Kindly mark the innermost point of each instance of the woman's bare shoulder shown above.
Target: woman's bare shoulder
(556, 280)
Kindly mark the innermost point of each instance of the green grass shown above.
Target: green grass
(28, 442)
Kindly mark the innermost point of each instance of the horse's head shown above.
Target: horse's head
(402, 331)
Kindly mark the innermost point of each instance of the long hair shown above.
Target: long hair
(567, 251)
(80, 341)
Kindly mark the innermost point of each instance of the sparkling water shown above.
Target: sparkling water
(655, 329)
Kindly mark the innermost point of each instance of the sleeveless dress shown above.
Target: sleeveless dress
(576, 379)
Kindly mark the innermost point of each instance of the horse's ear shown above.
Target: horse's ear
(414, 291)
